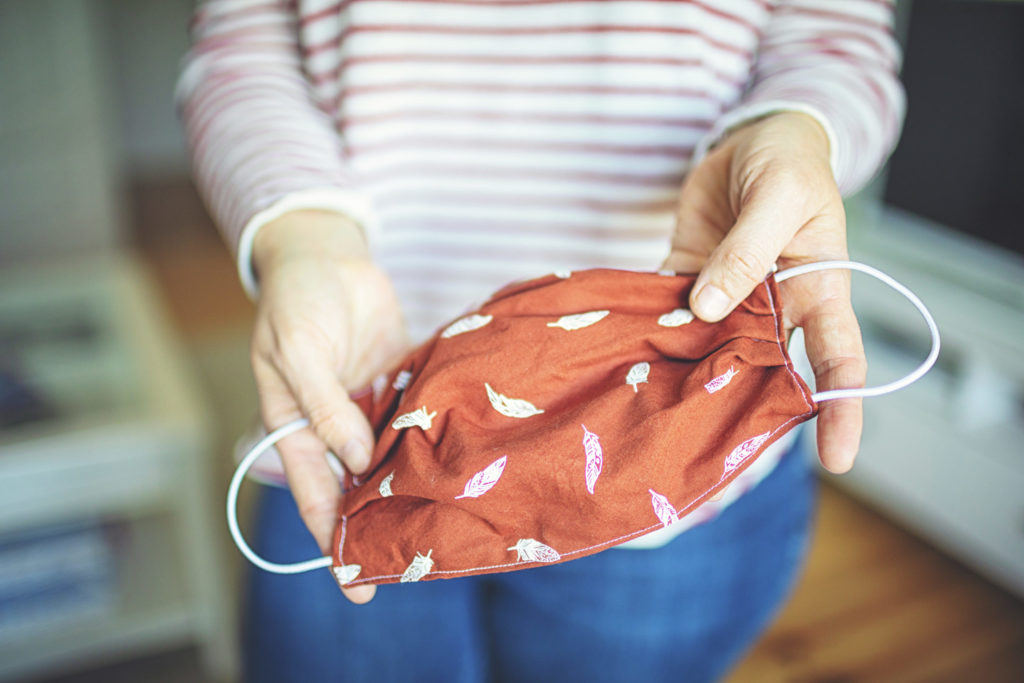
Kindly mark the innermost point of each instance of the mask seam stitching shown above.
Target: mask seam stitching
(614, 541)
(785, 356)
(341, 541)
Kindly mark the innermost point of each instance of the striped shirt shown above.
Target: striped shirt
(483, 141)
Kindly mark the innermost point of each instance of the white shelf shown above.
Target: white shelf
(108, 470)
(152, 611)
(128, 443)
(945, 457)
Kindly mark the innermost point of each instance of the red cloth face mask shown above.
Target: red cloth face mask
(566, 415)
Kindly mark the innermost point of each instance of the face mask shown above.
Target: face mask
(567, 415)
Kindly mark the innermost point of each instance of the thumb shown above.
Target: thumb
(334, 417)
(743, 258)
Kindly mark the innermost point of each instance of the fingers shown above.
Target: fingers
(313, 483)
(314, 486)
(360, 595)
(745, 255)
(836, 352)
(839, 430)
(702, 219)
(334, 418)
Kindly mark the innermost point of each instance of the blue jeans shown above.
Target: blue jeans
(683, 612)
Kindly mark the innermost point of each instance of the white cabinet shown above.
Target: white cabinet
(125, 447)
(945, 457)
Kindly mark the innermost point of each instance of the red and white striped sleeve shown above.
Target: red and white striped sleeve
(836, 60)
(260, 144)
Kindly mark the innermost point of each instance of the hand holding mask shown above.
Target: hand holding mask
(566, 415)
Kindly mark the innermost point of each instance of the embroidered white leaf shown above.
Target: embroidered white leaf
(562, 274)
(380, 383)
(417, 418)
(347, 573)
(637, 374)
(467, 324)
(418, 568)
(401, 380)
(595, 458)
(680, 316)
(720, 381)
(385, 485)
(511, 407)
(484, 480)
(578, 321)
(663, 509)
(744, 451)
(531, 550)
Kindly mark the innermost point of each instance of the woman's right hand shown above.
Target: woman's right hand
(328, 322)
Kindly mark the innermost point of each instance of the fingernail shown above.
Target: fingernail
(712, 303)
(357, 456)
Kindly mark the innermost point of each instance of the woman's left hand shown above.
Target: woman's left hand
(765, 195)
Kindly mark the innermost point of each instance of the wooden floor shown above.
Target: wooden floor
(873, 603)
(876, 604)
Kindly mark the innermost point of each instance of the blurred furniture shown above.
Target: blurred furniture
(59, 170)
(944, 457)
(118, 449)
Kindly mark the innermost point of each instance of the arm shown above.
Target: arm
(836, 61)
(260, 145)
(271, 167)
(822, 113)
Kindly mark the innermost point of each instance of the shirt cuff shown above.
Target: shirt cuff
(353, 205)
(746, 113)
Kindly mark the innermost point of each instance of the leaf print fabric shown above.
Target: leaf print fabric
(484, 480)
(417, 418)
(579, 320)
(385, 486)
(595, 458)
(565, 377)
(530, 550)
(347, 573)
(720, 381)
(401, 380)
(510, 407)
(418, 568)
(663, 509)
(467, 324)
(680, 316)
(744, 451)
(637, 374)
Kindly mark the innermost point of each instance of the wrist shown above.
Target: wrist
(794, 130)
(810, 129)
(308, 234)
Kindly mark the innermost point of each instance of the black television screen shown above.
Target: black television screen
(960, 161)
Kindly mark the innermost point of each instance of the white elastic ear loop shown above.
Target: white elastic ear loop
(236, 483)
(865, 392)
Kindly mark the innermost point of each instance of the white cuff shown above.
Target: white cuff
(746, 113)
(353, 205)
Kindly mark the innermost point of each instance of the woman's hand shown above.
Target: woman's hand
(766, 195)
(328, 322)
